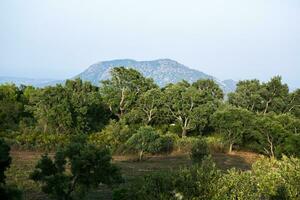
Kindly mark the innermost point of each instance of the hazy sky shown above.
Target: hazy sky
(235, 39)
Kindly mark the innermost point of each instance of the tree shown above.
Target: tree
(189, 106)
(293, 103)
(233, 123)
(247, 95)
(6, 191)
(88, 110)
(74, 107)
(272, 133)
(274, 94)
(149, 104)
(143, 140)
(51, 109)
(122, 90)
(210, 89)
(89, 166)
(11, 107)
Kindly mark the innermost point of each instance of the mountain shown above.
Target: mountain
(163, 71)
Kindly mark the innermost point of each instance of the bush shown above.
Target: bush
(89, 166)
(43, 141)
(269, 179)
(199, 151)
(195, 182)
(166, 143)
(185, 144)
(216, 144)
(113, 136)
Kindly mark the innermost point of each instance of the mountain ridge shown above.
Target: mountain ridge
(162, 71)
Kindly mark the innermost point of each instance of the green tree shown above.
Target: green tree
(123, 89)
(273, 130)
(87, 108)
(274, 94)
(189, 106)
(89, 166)
(233, 123)
(247, 95)
(293, 103)
(210, 89)
(6, 191)
(149, 104)
(74, 107)
(11, 107)
(144, 140)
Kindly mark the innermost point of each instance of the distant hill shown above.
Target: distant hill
(163, 71)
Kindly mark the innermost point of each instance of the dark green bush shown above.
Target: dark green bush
(42, 141)
(89, 166)
(199, 151)
(195, 182)
(166, 143)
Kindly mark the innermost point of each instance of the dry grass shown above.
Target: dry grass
(24, 162)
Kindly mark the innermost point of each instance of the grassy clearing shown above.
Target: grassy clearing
(24, 162)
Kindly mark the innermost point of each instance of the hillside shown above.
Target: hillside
(163, 71)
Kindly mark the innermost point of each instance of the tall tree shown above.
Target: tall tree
(149, 104)
(122, 90)
(274, 94)
(293, 103)
(247, 95)
(233, 123)
(11, 107)
(188, 105)
(209, 88)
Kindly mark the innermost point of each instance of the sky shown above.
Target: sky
(229, 39)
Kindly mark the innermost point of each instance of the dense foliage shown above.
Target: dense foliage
(89, 166)
(6, 191)
(205, 181)
(130, 114)
(262, 117)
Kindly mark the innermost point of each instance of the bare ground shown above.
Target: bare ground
(24, 162)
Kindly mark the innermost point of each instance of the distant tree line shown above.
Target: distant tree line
(263, 117)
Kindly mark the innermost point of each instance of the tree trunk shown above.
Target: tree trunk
(183, 134)
(267, 106)
(230, 147)
(141, 155)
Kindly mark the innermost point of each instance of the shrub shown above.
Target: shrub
(113, 136)
(269, 179)
(195, 182)
(199, 151)
(185, 144)
(89, 166)
(42, 141)
(216, 144)
(166, 143)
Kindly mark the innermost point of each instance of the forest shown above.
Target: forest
(79, 129)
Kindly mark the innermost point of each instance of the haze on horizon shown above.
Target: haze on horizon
(224, 38)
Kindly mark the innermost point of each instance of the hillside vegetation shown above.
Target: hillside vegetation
(84, 127)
